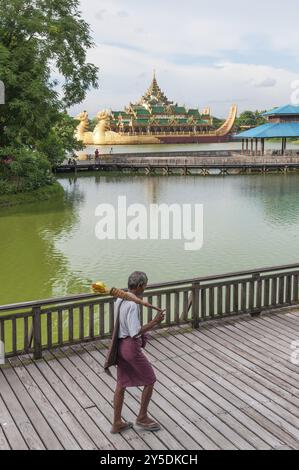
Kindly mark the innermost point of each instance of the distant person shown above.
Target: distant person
(111, 151)
(96, 154)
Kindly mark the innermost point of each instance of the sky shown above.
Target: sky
(205, 53)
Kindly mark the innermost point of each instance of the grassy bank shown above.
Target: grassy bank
(42, 194)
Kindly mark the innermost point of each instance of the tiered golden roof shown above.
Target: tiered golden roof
(154, 96)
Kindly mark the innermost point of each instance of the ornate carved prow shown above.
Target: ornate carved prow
(99, 133)
(81, 132)
(229, 123)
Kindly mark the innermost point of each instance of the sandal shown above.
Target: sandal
(152, 427)
(125, 427)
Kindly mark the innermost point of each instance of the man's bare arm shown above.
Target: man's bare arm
(151, 325)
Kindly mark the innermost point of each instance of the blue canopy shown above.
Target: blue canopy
(288, 109)
(272, 130)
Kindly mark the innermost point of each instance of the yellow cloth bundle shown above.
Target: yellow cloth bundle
(102, 289)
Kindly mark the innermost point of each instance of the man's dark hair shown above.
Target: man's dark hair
(137, 279)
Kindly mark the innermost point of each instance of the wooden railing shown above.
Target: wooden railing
(32, 327)
(115, 157)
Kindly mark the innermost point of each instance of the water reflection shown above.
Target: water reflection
(278, 195)
(31, 265)
(50, 248)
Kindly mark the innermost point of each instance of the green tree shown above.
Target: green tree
(250, 119)
(39, 40)
(60, 141)
(217, 122)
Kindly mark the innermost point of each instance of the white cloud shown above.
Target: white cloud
(203, 53)
(266, 83)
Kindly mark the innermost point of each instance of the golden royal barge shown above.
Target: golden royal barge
(154, 120)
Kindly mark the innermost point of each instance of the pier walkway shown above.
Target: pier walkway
(230, 384)
(202, 163)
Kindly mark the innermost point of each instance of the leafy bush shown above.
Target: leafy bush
(23, 169)
(6, 187)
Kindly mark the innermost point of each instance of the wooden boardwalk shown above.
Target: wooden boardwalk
(185, 163)
(229, 385)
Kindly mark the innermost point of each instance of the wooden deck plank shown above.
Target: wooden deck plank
(280, 358)
(95, 375)
(264, 408)
(33, 412)
(274, 352)
(283, 365)
(71, 425)
(19, 416)
(4, 445)
(178, 368)
(118, 441)
(69, 380)
(168, 421)
(209, 389)
(289, 320)
(210, 425)
(214, 375)
(228, 385)
(131, 406)
(278, 400)
(253, 364)
(266, 329)
(269, 388)
(284, 324)
(276, 345)
(42, 403)
(86, 380)
(67, 416)
(261, 426)
(10, 430)
(260, 406)
(204, 390)
(159, 441)
(95, 434)
(292, 316)
(278, 328)
(249, 355)
(233, 345)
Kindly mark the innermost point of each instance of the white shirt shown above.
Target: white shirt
(129, 318)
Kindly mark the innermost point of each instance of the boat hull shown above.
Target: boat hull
(170, 139)
(212, 139)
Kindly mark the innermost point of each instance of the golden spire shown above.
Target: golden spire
(154, 95)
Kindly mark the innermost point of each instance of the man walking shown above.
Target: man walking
(133, 368)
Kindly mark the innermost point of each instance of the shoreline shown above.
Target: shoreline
(44, 193)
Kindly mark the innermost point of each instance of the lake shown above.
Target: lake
(50, 248)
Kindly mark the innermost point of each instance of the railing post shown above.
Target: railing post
(195, 305)
(37, 333)
(258, 311)
(2, 346)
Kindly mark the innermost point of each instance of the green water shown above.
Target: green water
(50, 249)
